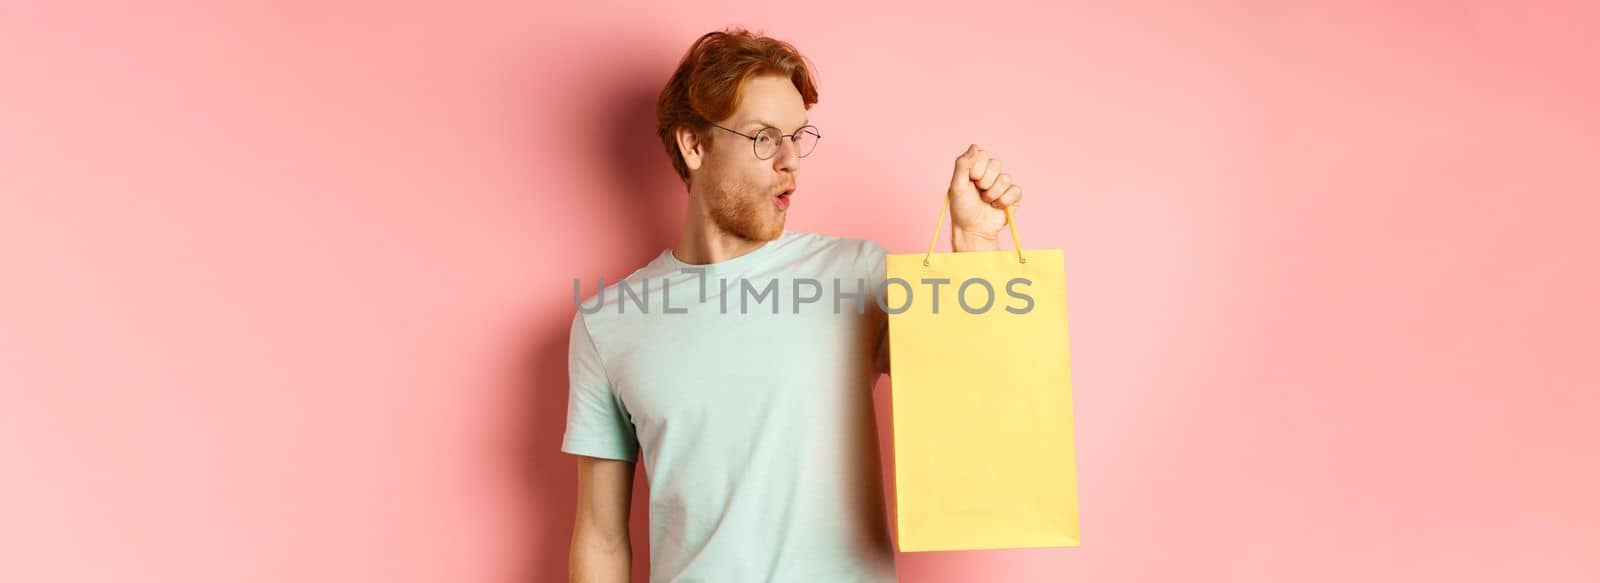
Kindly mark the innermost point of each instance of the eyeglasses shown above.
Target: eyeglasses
(766, 142)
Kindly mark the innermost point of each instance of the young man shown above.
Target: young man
(740, 364)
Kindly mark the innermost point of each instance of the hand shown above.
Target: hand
(979, 194)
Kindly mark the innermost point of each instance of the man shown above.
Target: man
(740, 364)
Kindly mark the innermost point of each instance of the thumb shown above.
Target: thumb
(964, 164)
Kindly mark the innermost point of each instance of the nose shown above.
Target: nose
(788, 157)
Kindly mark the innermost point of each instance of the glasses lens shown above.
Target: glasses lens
(766, 142)
(805, 141)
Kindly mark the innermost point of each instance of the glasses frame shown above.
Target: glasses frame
(781, 136)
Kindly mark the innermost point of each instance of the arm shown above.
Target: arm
(601, 552)
(962, 240)
(979, 195)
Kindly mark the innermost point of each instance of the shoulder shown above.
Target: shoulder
(854, 249)
(597, 296)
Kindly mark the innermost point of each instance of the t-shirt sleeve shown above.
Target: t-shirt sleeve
(598, 425)
(875, 256)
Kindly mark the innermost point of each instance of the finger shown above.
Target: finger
(1012, 194)
(995, 190)
(980, 164)
(990, 174)
(967, 157)
(964, 163)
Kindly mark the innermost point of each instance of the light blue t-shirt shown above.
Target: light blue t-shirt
(751, 402)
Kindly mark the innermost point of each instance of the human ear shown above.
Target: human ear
(690, 147)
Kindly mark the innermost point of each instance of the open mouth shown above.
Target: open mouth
(782, 198)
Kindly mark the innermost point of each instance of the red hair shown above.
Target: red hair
(706, 85)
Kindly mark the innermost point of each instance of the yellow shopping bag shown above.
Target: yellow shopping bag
(982, 399)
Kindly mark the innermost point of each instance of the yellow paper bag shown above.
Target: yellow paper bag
(982, 399)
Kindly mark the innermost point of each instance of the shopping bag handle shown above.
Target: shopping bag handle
(1010, 222)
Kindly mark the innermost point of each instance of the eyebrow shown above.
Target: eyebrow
(765, 123)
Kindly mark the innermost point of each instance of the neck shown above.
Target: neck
(704, 242)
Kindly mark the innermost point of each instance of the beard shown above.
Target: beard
(745, 211)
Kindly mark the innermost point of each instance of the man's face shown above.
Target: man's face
(746, 196)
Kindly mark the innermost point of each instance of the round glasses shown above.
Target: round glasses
(766, 141)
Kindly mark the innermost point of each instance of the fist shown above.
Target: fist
(980, 191)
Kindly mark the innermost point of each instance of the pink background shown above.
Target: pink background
(287, 283)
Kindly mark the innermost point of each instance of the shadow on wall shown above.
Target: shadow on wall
(635, 194)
